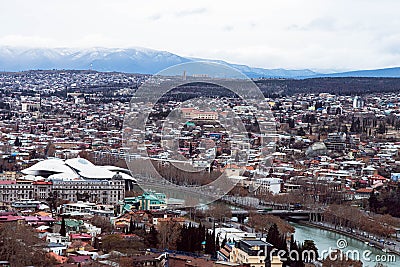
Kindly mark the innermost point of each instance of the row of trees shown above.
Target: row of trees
(261, 223)
(354, 218)
(188, 238)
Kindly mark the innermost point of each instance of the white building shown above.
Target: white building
(57, 248)
(358, 102)
(232, 234)
(273, 185)
(97, 191)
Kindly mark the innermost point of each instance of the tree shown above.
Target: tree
(224, 242)
(116, 242)
(63, 230)
(111, 242)
(301, 132)
(263, 222)
(17, 142)
(309, 245)
(293, 246)
(50, 150)
(220, 211)
(132, 227)
(338, 259)
(191, 238)
(169, 235)
(381, 129)
(373, 201)
(152, 237)
(275, 238)
(21, 247)
(210, 247)
(103, 223)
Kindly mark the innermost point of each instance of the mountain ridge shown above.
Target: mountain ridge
(145, 61)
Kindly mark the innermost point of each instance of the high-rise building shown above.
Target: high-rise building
(358, 102)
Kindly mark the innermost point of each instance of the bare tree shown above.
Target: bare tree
(169, 234)
(21, 247)
(103, 223)
(263, 222)
(219, 211)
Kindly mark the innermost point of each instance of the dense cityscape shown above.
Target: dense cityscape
(70, 193)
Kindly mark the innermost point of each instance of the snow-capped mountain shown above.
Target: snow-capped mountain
(131, 60)
(146, 61)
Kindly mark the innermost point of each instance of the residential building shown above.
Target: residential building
(253, 252)
(147, 201)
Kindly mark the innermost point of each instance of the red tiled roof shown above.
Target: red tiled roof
(364, 190)
(42, 183)
(7, 182)
(58, 258)
(378, 177)
(80, 236)
(10, 218)
(81, 258)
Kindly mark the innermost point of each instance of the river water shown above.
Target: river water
(326, 240)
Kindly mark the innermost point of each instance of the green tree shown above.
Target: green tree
(132, 227)
(152, 237)
(273, 236)
(381, 129)
(17, 142)
(63, 229)
(373, 201)
(309, 245)
(294, 247)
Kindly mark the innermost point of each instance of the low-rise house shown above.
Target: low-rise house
(363, 193)
(57, 248)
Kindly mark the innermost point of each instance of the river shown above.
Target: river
(325, 240)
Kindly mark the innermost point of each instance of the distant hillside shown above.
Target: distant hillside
(132, 60)
(334, 85)
(388, 72)
(145, 61)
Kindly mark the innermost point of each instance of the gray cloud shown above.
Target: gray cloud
(318, 24)
(155, 17)
(189, 12)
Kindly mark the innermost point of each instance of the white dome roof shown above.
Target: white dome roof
(72, 169)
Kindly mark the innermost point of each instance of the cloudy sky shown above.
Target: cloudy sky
(316, 34)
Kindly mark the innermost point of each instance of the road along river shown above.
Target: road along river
(355, 249)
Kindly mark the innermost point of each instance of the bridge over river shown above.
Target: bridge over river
(291, 215)
(195, 196)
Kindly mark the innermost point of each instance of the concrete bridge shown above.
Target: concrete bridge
(291, 215)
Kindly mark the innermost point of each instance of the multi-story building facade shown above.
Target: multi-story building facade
(253, 252)
(11, 190)
(97, 191)
(194, 114)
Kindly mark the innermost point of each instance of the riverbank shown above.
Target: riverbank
(345, 233)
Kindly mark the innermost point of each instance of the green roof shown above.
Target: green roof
(71, 223)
